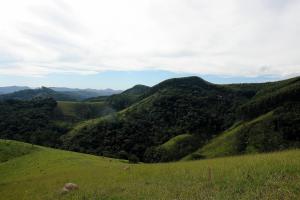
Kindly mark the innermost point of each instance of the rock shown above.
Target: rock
(69, 187)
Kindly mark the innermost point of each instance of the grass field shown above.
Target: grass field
(40, 173)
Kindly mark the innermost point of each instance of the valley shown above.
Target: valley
(184, 138)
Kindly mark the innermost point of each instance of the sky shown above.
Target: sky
(117, 44)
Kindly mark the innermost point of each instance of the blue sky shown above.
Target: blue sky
(119, 79)
(117, 43)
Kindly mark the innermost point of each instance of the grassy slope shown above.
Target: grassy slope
(225, 143)
(172, 143)
(41, 174)
(10, 150)
(178, 147)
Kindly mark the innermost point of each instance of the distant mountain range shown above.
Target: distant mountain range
(11, 89)
(58, 93)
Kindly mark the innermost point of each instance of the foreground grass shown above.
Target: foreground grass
(10, 150)
(41, 174)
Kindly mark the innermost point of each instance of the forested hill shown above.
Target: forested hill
(174, 107)
(128, 97)
(178, 118)
(11, 89)
(57, 93)
(42, 92)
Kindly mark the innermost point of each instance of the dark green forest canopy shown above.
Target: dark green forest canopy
(173, 107)
(145, 118)
(31, 121)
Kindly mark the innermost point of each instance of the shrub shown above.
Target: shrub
(133, 158)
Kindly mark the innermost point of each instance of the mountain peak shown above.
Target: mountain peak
(183, 82)
(137, 89)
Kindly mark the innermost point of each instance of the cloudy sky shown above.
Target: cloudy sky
(96, 43)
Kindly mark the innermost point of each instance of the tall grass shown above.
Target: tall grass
(41, 175)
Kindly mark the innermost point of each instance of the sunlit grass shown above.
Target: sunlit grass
(41, 175)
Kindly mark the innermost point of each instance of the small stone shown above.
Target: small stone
(69, 187)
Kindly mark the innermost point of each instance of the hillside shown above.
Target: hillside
(78, 111)
(85, 93)
(11, 89)
(59, 94)
(33, 121)
(41, 174)
(171, 108)
(275, 130)
(10, 150)
(100, 106)
(42, 92)
(124, 99)
(202, 109)
(271, 96)
(181, 118)
(270, 121)
(128, 97)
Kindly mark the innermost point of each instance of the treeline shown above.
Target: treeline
(31, 121)
(270, 98)
(277, 131)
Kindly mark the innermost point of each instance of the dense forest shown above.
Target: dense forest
(31, 121)
(175, 119)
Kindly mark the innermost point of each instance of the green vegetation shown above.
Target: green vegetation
(174, 149)
(128, 97)
(171, 108)
(275, 130)
(149, 124)
(42, 92)
(59, 94)
(225, 144)
(31, 121)
(179, 119)
(270, 97)
(10, 149)
(77, 111)
(42, 173)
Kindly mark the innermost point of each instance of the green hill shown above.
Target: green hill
(141, 121)
(171, 108)
(275, 130)
(41, 174)
(192, 105)
(32, 121)
(227, 143)
(11, 89)
(10, 150)
(174, 149)
(271, 96)
(83, 94)
(128, 97)
(77, 111)
(124, 99)
(59, 94)
(42, 92)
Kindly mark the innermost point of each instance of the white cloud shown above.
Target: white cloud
(232, 37)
